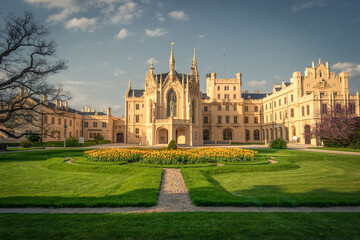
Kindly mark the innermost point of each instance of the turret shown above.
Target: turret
(172, 60)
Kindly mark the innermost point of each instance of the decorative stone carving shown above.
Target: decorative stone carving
(323, 84)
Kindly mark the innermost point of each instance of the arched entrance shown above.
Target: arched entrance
(180, 136)
(227, 134)
(307, 134)
(163, 136)
(120, 138)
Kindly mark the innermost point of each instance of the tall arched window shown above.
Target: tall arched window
(171, 103)
(227, 134)
(256, 135)
(193, 111)
(150, 111)
(247, 134)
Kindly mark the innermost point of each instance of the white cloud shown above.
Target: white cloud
(178, 15)
(352, 68)
(84, 24)
(257, 83)
(277, 77)
(158, 32)
(124, 33)
(305, 5)
(200, 36)
(160, 17)
(65, 7)
(130, 57)
(126, 13)
(151, 60)
(118, 72)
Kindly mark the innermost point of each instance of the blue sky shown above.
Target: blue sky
(106, 41)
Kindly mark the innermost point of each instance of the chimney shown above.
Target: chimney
(93, 110)
(109, 111)
(57, 102)
(66, 105)
(45, 99)
(82, 109)
(60, 103)
(102, 109)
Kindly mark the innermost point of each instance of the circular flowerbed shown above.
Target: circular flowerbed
(164, 156)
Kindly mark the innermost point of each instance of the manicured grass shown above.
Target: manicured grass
(23, 149)
(41, 178)
(181, 226)
(337, 149)
(298, 179)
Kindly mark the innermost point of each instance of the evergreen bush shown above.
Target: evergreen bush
(26, 143)
(33, 138)
(172, 145)
(278, 144)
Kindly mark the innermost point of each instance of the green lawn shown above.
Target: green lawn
(41, 178)
(180, 226)
(337, 149)
(23, 149)
(298, 179)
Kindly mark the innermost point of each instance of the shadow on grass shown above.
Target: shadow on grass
(40, 155)
(271, 196)
(137, 198)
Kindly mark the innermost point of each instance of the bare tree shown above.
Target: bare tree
(27, 59)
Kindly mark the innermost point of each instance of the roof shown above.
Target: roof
(164, 75)
(278, 88)
(288, 83)
(255, 96)
(137, 92)
(204, 96)
(53, 105)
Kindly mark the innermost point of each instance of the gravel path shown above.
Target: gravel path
(174, 197)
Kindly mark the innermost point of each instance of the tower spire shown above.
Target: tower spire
(172, 59)
(194, 64)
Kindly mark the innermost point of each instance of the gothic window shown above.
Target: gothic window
(171, 103)
(227, 134)
(193, 111)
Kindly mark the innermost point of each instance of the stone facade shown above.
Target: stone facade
(85, 123)
(172, 107)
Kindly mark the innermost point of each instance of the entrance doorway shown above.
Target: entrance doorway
(163, 136)
(307, 134)
(180, 136)
(120, 138)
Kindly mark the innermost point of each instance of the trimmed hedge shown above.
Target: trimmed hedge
(61, 143)
(278, 144)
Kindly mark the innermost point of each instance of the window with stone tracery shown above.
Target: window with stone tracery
(171, 103)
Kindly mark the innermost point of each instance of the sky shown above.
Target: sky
(105, 42)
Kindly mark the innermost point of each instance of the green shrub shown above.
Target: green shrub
(355, 143)
(72, 140)
(26, 143)
(172, 145)
(99, 137)
(33, 138)
(278, 144)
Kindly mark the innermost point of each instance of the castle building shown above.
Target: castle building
(173, 107)
(52, 117)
